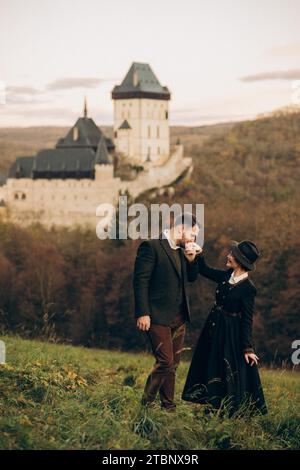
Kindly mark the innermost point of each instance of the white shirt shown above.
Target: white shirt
(234, 279)
(173, 245)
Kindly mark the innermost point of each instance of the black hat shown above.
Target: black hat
(245, 252)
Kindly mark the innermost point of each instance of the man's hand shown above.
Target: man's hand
(251, 358)
(143, 323)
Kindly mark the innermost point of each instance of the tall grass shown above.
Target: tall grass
(63, 397)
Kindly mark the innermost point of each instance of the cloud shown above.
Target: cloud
(293, 74)
(15, 99)
(68, 83)
(25, 94)
(284, 50)
(22, 90)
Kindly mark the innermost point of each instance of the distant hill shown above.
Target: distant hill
(25, 141)
(294, 108)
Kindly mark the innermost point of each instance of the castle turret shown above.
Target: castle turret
(141, 116)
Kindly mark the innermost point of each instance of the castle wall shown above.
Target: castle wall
(155, 177)
(74, 202)
(60, 202)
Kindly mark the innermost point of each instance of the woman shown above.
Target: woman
(223, 372)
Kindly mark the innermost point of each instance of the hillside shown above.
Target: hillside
(22, 141)
(70, 286)
(62, 397)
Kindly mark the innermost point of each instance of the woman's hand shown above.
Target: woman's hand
(251, 358)
(192, 249)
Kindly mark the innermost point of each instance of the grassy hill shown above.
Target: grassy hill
(64, 397)
(25, 141)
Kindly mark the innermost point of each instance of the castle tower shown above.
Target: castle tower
(141, 116)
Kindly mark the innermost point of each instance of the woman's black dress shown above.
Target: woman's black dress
(219, 374)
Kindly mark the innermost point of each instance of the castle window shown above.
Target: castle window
(157, 132)
(149, 154)
(149, 132)
(16, 196)
(116, 134)
(23, 196)
(166, 114)
(75, 133)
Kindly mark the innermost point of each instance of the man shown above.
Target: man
(162, 304)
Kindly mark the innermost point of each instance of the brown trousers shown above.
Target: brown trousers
(166, 343)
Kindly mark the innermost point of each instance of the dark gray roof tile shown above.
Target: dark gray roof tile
(140, 81)
(125, 125)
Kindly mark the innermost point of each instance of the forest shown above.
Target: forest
(68, 286)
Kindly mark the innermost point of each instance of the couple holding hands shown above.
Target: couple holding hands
(223, 373)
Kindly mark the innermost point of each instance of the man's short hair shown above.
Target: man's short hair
(186, 218)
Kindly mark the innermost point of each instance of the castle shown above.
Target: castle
(65, 185)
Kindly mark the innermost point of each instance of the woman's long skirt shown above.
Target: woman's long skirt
(219, 375)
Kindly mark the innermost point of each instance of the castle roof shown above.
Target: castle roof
(140, 82)
(125, 125)
(74, 156)
(84, 133)
(102, 155)
(21, 167)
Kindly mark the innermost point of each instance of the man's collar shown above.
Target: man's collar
(166, 234)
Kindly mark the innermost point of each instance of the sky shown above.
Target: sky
(222, 60)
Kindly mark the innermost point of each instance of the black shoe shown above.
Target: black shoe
(147, 404)
(169, 409)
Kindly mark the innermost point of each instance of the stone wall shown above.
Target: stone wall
(59, 202)
(158, 176)
(74, 202)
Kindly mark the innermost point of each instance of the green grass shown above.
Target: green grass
(63, 397)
